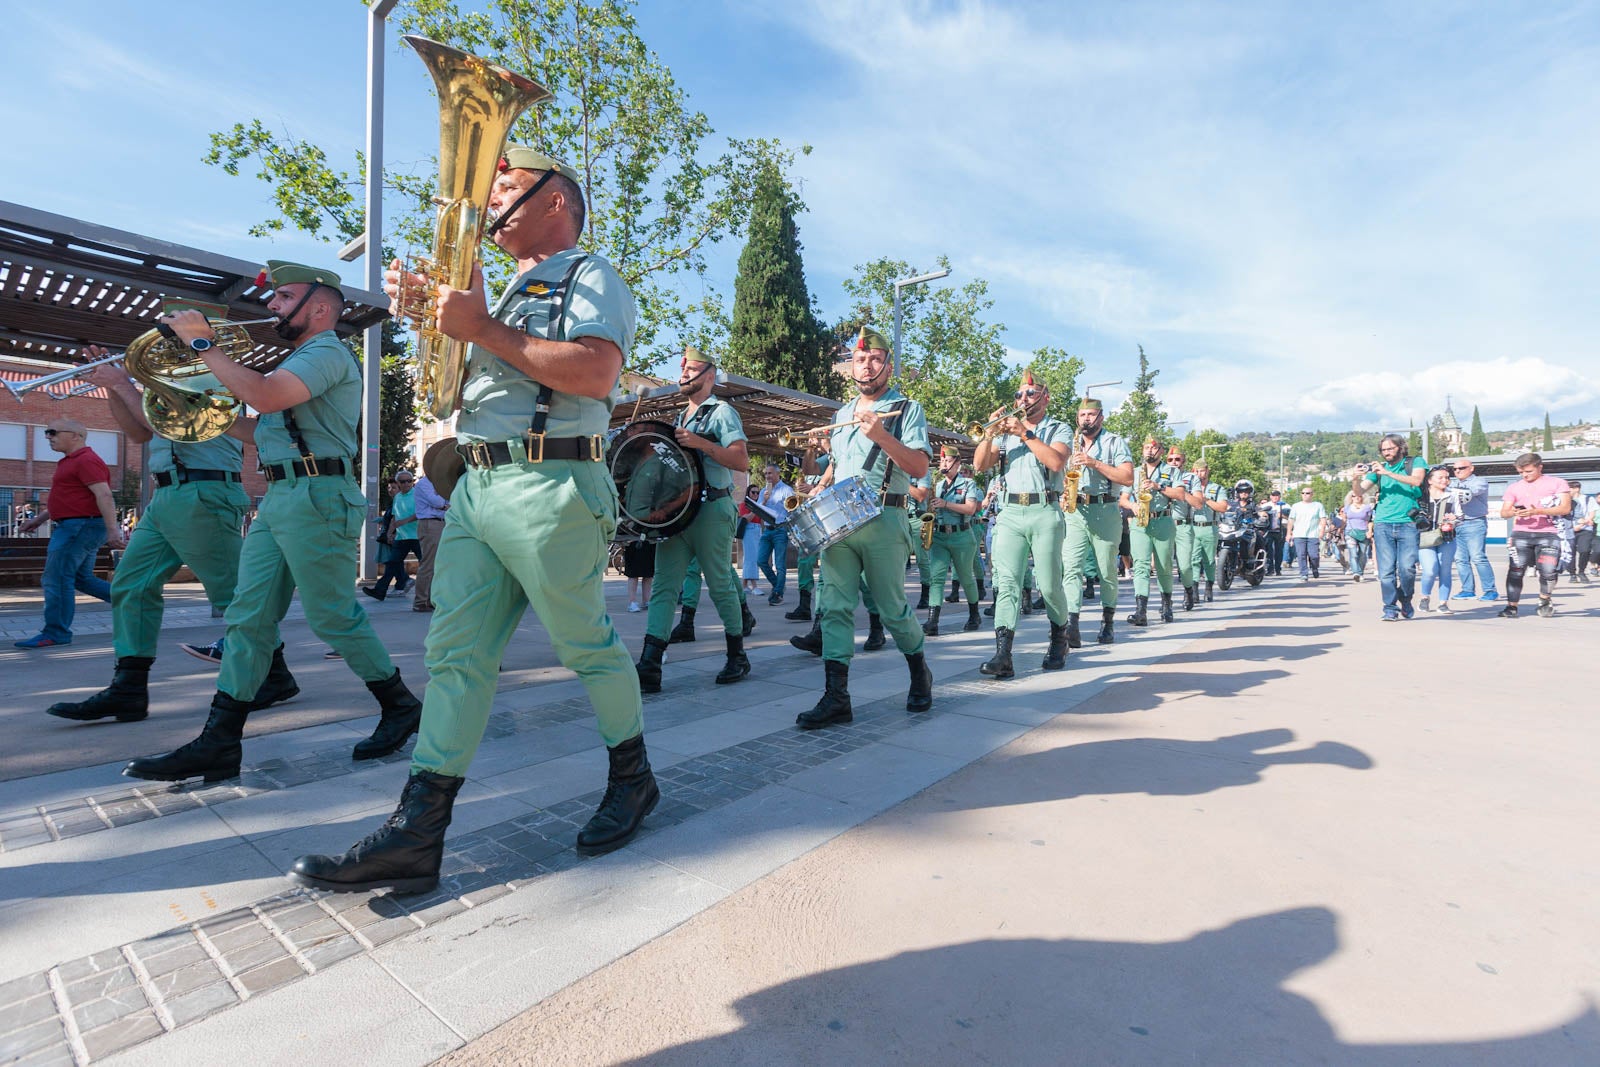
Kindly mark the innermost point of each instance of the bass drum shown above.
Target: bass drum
(659, 482)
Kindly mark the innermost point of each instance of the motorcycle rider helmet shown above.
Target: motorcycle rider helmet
(1244, 485)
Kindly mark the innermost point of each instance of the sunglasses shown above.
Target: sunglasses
(1028, 392)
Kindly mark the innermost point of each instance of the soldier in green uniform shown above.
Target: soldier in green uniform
(1183, 529)
(1032, 453)
(914, 525)
(1095, 528)
(305, 531)
(886, 444)
(953, 499)
(195, 517)
(690, 600)
(1209, 500)
(713, 429)
(529, 524)
(1158, 537)
(812, 464)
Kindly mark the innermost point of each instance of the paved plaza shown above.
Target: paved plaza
(1274, 831)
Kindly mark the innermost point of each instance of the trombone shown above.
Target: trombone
(978, 429)
(787, 438)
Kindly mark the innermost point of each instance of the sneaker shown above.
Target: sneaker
(1546, 609)
(1489, 596)
(1466, 596)
(633, 605)
(211, 653)
(333, 653)
(40, 641)
(1390, 616)
(1424, 603)
(1408, 612)
(1444, 607)
(1507, 612)
(775, 599)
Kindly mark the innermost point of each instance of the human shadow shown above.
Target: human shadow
(1243, 632)
(1137, 691)
(1218, 997)
(1155, 766)
(1250, 653)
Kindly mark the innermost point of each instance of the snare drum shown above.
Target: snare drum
(659, 483)
(829, 516)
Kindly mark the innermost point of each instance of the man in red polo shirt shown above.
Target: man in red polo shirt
(85, 517)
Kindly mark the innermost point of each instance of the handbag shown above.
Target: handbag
(1430, 539)
(738, 531)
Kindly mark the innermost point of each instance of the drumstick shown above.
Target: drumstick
(638, 391)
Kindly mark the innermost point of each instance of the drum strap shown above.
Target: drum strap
(893, 423)
(555, 330)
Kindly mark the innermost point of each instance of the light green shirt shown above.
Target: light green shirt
(1204, 516)
(718, 422)
(957, 490)
(218, 454)
(1166, 476)
(1110, 449)
(328, 420)
(404, 507)
(851, 447)
(1024, 473)
(497, 400)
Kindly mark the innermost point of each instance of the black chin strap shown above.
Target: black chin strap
(285, 326)
(685, 388)
(505, 216)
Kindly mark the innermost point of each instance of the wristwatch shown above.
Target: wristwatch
(201, 344)
(1029, 435)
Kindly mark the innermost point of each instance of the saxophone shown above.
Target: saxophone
(928, 518)
(1069, 497)
(1141, 513)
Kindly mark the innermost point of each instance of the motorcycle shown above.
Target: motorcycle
(1242, 541)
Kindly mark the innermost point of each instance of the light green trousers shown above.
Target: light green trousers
(955, 552)
(1205, 550)
(1156, 539)
(197, 524)
(692, 578)
(1021, 529)
(518, 537)
(1184, 550)
(1093, 530)
(875, 554)
(710, 536)
(304, 537)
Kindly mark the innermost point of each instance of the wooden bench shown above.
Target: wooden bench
(22, 561)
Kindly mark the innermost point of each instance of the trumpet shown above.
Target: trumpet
(61, 376)
(978, 429)
(786, 437)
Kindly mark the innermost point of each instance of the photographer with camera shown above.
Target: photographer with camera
(1395, 522)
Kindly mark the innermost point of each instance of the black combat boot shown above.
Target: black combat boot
(747, 619)
(684, 631)
(1000, 665)
(278, 686)
(1088, 589)
(1166, 607)
(1108, 633)
(631, 794)
(1139, 618)
(1188, 598)
(1038, 603)
(835, 703)
(981, 591)
(1074, 636)
(874, 639)
(214, 755)
(1209, 584)
(954, 596)
(403, 854)
(922, 602)
(811, 641)
(974, 622)
(402, 714)
(1025, 601)
(649, 665)
(988, 612)
(802, 610)
(1056, 657)
(920, 696)
(737, 669)
(127, 698)
(931, 627)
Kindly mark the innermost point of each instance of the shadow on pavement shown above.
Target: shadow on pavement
(1132, 691)
(1218, 997)
(1249, 653)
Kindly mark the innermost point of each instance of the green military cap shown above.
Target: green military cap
(1089, 403)
(950, 450)
(871, 340)
(691, 354)
(280, 272)
(517, 157)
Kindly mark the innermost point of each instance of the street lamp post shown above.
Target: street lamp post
(1091, 388)
(906, 283)
(1283, 480)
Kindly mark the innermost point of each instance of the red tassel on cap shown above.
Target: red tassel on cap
(261, 280)
(503, 165)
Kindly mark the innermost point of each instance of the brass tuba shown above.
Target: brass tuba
(478, 103)
(183, 400)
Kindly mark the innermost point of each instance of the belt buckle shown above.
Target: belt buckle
(266, 472)
(479, 453)
(310, 464)
(531, 439)
(1027, 498)
(597, 448)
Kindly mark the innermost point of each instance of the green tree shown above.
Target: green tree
(1549, 438)
(1229, 460)
(1140, 415)
(1414, 442)
(776, 334)
(1477, 440)
(1059, 371)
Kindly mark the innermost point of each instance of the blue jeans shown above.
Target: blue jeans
(1472, 555)
(1436, 568)
(69, 567)
(774, 550)
(1306, 549)
(1359, 550)
(1396, 545)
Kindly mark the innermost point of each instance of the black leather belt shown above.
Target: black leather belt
(539, 448)
(309, 467)
(1032, 498)
(1184, 522)
(714, 494)
(1098, 498)
(894, 500)
(953, 529)
(190, 474)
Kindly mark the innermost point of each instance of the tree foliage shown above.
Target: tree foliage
(1549, 437)
(1477, 440)
(776, 334)
(1229, 460)
(1140, 415)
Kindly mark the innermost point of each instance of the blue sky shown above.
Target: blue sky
(1311, 216)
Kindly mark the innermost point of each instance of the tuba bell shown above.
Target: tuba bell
(183, 400)
(478, 104)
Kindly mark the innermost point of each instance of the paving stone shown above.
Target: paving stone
(73, 970)
(303, 913)
(201, 1002)
(255, 955)
(327, 953)
(437, 912)
(478, 897)
(96, 1013)
(240, 937)
(186, 980)
(50, 1056)
(173, 960)
(270, 976)
(316, 933)
(387, 930)
(23, 1013)
(102, 984)
(217, 925)
(24, 988)
(32, 1038)
(114, 1037)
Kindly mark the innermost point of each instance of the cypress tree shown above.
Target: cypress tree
(1549, 439)
(1477, 440)
(776, 335)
